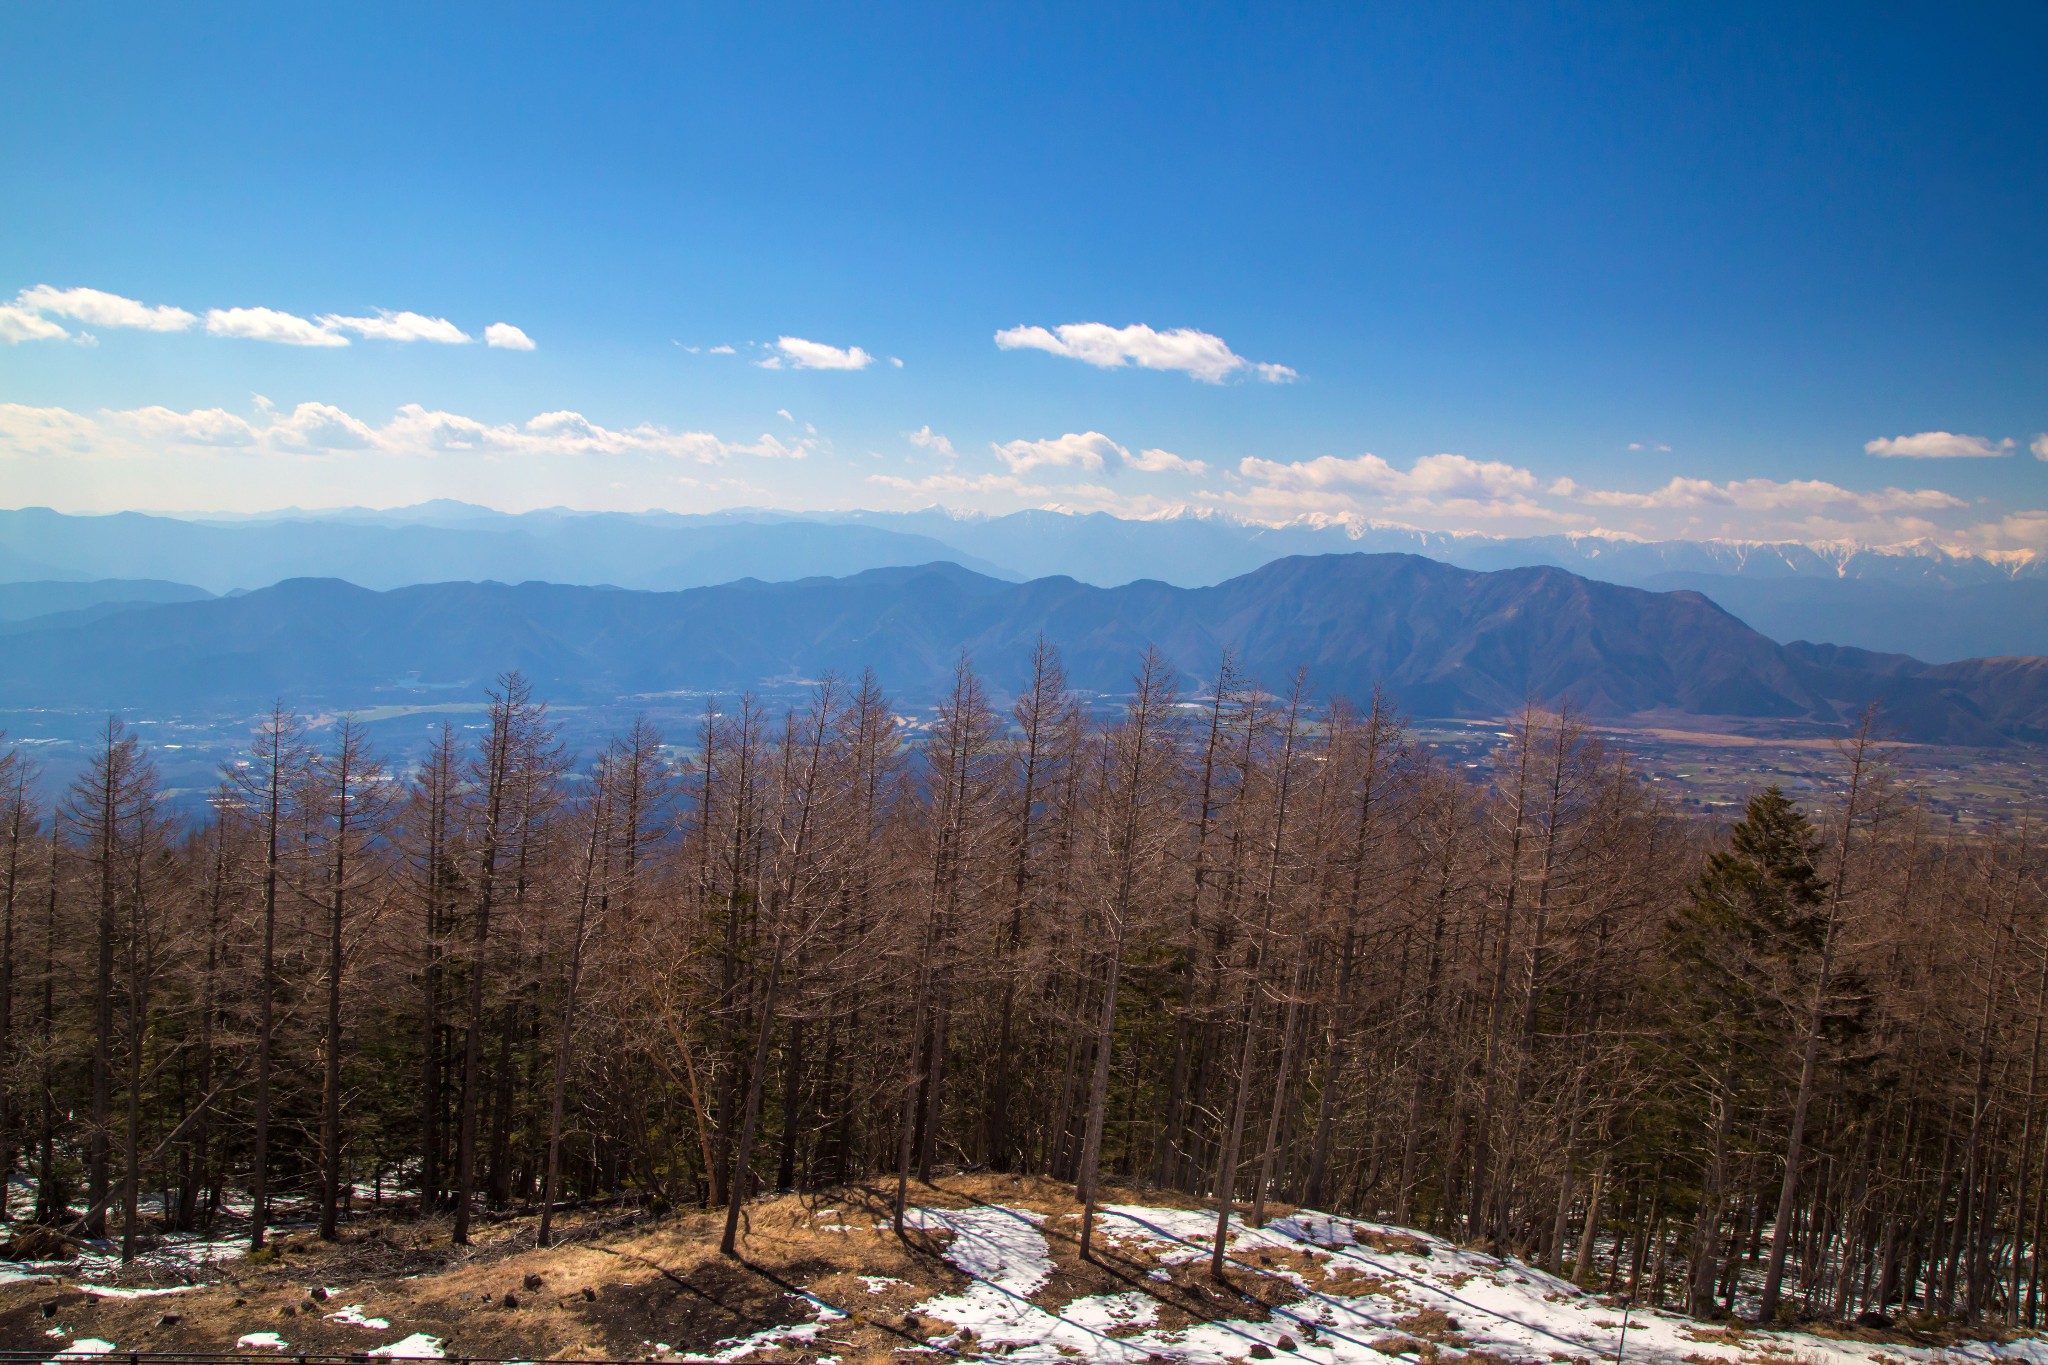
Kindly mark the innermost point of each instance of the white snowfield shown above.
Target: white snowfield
(1503, 1307)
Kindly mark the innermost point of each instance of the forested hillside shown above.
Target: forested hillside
(1242, 940)
(1915, 598)
(1442, 641)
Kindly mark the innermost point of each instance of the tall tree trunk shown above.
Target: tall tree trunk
(18, 832)
(558, 1085)
(278, 756)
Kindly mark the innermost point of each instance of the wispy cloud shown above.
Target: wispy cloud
(1649, 447)
(1163, 462)
(795, 353)
(97, 308)
(2040, 446)
(1199, 355)
(268, 324)
(1773, 495)
(1456, 493)
(321, 429)
(1937, 445)
(390, 326)
(1085, 497)
(924, 438)
(30, 318)
(1090, 451)
(22, 324)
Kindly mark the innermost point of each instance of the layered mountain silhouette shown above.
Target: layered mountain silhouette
(443, 542)
(1443, 641)
(1918, 599)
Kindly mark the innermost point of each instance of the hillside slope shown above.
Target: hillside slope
(1443, 641)
(989, 1269)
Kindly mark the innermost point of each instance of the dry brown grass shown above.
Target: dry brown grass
(617, 1284)
(1391, 1243)
(1431, 1324)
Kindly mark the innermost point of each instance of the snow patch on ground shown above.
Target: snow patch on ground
(270, 1340)
(775, 1338)
(1000, 1246)
(1500, 1306)
(181, 1256)
(418, 1346)
(352, 1316)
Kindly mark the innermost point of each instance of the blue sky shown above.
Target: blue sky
(1503, 256)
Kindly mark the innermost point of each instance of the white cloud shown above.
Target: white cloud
(797, 354)
(1163, 462)
(323, 430)
(200, 427)
(962, 483)
(1772, 495)
(321, 427)
(897, 361)
(1430, 476)
(504, 336)
(1937, 445)
(1650, 447)
(27, 431)
(390, 326)
(720, 350)
(1455, 493)
(419, 430)
(769, 447)
(19, 324)
(2040, 446)
(268, 324)
(1086, 497)
(2020, 537)
(1076, 450)
(1200, 355)
(1437, 490)
(28, 319)
(97, 308)
(924, 438)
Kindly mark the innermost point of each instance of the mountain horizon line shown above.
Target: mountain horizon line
(1918, 600)
(1443, 641)
(1355, 524)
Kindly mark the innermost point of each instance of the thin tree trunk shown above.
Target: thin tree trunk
(1809, 1062)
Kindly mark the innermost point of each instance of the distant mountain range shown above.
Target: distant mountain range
(1917, 599)
(20, 602)
(1445, 641)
